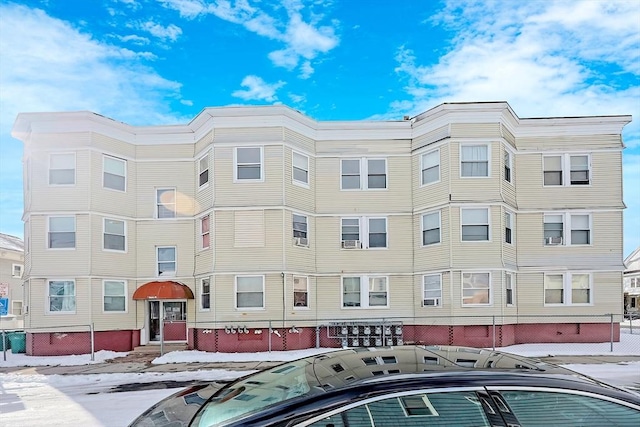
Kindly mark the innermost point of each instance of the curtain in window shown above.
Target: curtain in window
(475, 160)
(430, 167)
(351, 292)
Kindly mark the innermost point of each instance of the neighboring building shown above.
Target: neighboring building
(632, 283)
(446, 223)
(11, 269)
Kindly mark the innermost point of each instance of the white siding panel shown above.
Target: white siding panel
(475, 130)
(151, 234)
(248, 229)
(258, 135)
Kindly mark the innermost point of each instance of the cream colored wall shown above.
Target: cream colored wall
(477, 254)
(151, 234)
(103, 261)
(435, 193)
(475, 189)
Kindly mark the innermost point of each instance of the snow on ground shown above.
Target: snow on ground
(31, 399)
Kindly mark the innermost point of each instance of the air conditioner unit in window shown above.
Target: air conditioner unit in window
(553, 241)
(351, 244)
(301, 241)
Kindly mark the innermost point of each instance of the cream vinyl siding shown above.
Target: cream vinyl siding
(39, 300)
(475, 189)
(224, 301)
(435, 256)
(363, 148)
(251, 193)
(305, 315)
(113, 201)
(433, 315)
(299, 258)
(508, 188)
(437, 192)
(466, 314)
(164, 152)
(507, 135)
(202, 144)
(102, 261)
(605, 250)
(63, 141)
(509, 250)
(605, 189)
(112, 146)
(480, 254)
(560, 142)
(204, 258)
(45, 197)
(230, 257)
(257, 135)
(151, 234)
(298, 196)
(152, 176)
(395, 198)
(475, 130)
(59, 262)
(105, 321)
(396, 258)
(302, 142)
(428, 138)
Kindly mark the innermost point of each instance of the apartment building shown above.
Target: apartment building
(254, 228)
(631, 282)
(11, 266)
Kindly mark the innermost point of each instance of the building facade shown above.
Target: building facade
(257, 227)
(631, 283)
(11, 267)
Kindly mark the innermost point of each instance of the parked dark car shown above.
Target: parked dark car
(403, 386)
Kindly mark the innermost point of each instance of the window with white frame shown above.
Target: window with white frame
(300, 292)
(16, 270)
(567, 289)
(363, 174)
(61, 296)
(248, 164)
(350, 232)
(431, 228)
(205, 234)
(364, 232)
(114, 175)
(205, 293)
(62, 232)
(579, 226)
(365, 292)
(474, 160)
(510, 288)
(300, 164)
(567, 169)
(476, 288)
(580, 229)
(114, 235)
(249, 292)
(377, 233)
(17, 308)
(508, 227)
(300, 230)
(62, 169)
(430, 166)
(475, 224)
(166, 261)
(553, 229)
(165, 203)
(115, 296)
(203, 171)
(432, 290)
(507, 165)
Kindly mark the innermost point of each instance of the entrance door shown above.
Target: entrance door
(174, 320)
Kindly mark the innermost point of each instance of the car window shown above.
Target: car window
(541, 408)
(459, 409)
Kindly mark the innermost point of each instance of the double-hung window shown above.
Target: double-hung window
(165, 202)
(364, 232)
(62, 232)
(205, 233)
(430, 166)
(510, 287)
(507, 165)
(16, 271)
(476, 288)
(580, 229)
(431, 228)
(474, 160)
(250, 292)
(300, 230)
(114, 235)
(432, 290)
(166, 261)
(114, 175)
(205, 293)
(363, 174)
(567, 169)
(249, 161)
(114, 296)
(579, 226)
(61, 296)
(568, 289)
(475, 224)
(508, 227)
(203, 171)
(300, 292)
(365, 292)
(62, 169)
(300, 172)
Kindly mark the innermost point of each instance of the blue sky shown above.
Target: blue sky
(163, 61)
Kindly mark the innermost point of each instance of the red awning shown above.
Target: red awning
(163, 290)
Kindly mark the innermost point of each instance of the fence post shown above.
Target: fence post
(611, 314)
(4, 346)
(270, 332)
(161, 335)
(317, 336)
(494, 332)
(93, 342)
(631, 323)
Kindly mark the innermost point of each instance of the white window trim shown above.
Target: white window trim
(75, 170)
(567, 290)
(489, 231)
(462, 303)
(126, 296)
(13, 270)
(104, 231)
(306, 278)
(201, 294)
(235, 165)
(513, 289)
(156, 203)
(565, 162)
(363, 231)
(293, 179)
(422, 230)
(47, 300)
(567, 228)
(104, 157)
(437, 150)
(364, 292)
(202, 233)
(440, 302)
(208, 169)
(175, 261)
(235, 293)
(511, 174)
(306, 217)
(486, 144)
(511, 227)
(364, 174)
(75, 231)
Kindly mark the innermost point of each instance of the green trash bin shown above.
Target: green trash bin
(18, 341)
(4, 341)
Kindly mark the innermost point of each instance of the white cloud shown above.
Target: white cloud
(306, 70)
(132, 38)
(186, 102)
(170, 32)
(297, 99)
(187, 8)
(258, 89)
